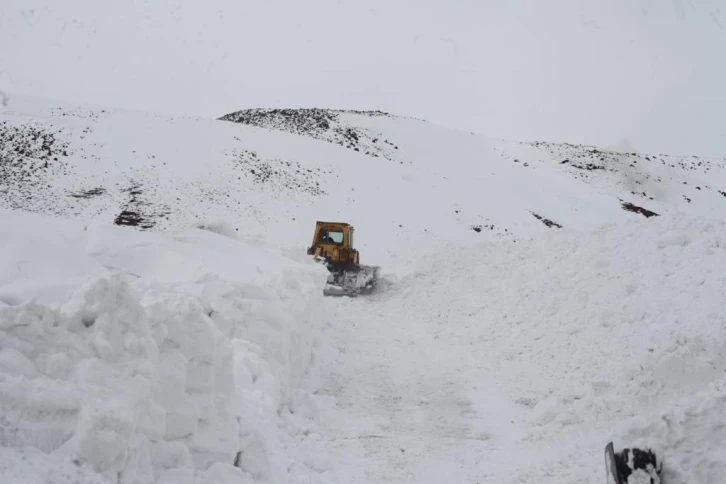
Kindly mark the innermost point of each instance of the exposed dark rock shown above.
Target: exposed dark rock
(588, 166)
(133, 219)
(93, 192)
(636, 209)
(139, 212)
(546, 221)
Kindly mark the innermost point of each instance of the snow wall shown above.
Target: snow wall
(136, 358)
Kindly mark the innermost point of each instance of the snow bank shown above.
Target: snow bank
(619, 335)
(134, 357)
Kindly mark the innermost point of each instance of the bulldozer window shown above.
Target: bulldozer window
(333, 236)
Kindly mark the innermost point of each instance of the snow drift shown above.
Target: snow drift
(148, 358)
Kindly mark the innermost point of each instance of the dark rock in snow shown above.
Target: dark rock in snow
(546, 221)
(93, 192)
(132, 219)
(636, 209)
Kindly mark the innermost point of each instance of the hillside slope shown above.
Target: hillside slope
(667, 183)
(397, 179)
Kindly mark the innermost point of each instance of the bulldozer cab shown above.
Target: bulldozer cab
(333, 241)
(336, 233)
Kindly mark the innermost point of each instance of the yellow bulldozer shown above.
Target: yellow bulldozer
(333, 246)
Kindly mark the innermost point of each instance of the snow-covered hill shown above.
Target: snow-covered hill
(159, 321)
(399, 180)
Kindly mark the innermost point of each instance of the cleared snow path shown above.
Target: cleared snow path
(412, 404)
(521, 364)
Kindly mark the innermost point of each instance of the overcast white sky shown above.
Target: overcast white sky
(646, 74)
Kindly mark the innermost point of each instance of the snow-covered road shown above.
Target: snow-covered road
(413, 402)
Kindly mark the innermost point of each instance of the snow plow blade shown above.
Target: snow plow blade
(611, 468)
(352, 282)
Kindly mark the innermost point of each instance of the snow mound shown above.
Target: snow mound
(135, 357)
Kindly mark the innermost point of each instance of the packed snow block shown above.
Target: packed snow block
(13, 361)
(257, 449)
(104, 433)
(35, 410)
(216, 440)
(152, 421)
(218, 295)
(30, 465)
(182, 419)
(207, 406)
(96, 424)
(224, 369)
(190, 330)
(172, 376)
(200, 375)
(138, 467)
(170, 455)
(248, 365)
(254, 377)
(31, 327)
(39, 413)
(56, 365)
(117, 322)
(212, 374)
(159, 332)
